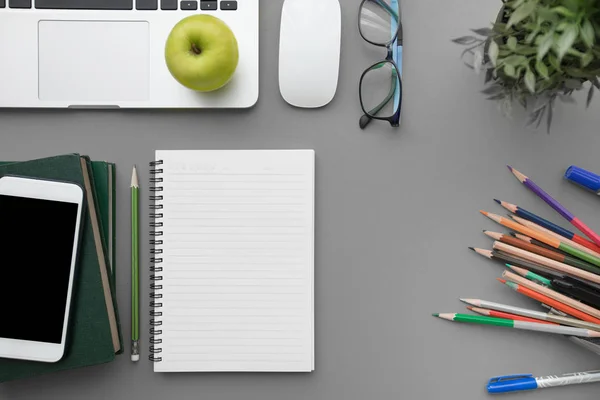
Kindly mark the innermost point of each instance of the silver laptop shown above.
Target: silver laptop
(110, 53)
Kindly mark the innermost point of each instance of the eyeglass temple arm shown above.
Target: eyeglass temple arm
(366, 119)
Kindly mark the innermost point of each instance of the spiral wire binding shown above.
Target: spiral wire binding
(156, 205)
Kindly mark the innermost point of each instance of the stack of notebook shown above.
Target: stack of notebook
(95, 332)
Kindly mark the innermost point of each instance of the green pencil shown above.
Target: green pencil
(532, 276)
(528, 326)
(135, 268)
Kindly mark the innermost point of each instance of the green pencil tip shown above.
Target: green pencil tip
(435, 315)
(498, 201)
(509, 266)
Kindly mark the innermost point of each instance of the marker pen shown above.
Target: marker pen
(583, 178)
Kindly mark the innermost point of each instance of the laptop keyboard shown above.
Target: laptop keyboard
(188, 5)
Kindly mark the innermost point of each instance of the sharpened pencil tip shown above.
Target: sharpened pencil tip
(470, 308)
(484, 212)
(134, 178)
(472, 248)
(509, 168)
(498, 201)
(501, 280)
(436, 315)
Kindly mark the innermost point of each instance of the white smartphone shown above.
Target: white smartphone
(40, 223)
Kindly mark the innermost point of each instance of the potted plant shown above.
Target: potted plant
(536, 52)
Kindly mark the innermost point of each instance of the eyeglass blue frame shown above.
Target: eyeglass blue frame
(394, 56)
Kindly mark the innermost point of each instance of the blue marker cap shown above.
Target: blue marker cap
(584, 178)
(511, 383)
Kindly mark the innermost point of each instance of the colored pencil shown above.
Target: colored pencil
(548, 232)
(559, 208)
(532, 276)
(551, 293)
(549, 225)
(528, 326)
(507, 258)
(547, 262)
(554, 255)
(535, 315)
(532, 294)
(555, 243)
(505, 315)
(529, 240)
(135, 268)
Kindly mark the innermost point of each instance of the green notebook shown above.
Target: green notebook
(94, 333)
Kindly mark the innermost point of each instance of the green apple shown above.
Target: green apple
(202, 52)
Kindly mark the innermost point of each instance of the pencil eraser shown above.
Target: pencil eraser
(135, 357)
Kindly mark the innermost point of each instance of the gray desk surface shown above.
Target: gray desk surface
(396, 210)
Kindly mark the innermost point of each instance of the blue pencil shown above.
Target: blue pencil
(528, 215)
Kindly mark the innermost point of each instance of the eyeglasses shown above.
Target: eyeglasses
(380, 23)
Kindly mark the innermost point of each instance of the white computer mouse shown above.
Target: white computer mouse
(309, 51)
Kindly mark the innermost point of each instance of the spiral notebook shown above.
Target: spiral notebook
(233, 261)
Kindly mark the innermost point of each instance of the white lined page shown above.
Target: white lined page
(238, 261)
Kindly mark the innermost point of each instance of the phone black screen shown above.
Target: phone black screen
(36, 247)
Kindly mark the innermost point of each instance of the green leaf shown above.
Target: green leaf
(526, 50)
(572, 5)
(586, 59)
(510, 71)
(562, 26)
(530, 81)
(554, 61)
(522, 12)
(542, 69)
(566, 40)
(493, 52)
(587, 33)
(499, 27)
(515, 60)
(545, 45)
(516, 3)
(512, 43)
(546, 15)
(565, 12)
(531, 37)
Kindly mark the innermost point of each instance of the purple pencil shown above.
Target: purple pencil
(576, 222)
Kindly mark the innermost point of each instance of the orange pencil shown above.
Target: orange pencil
(500, 314)
(550, 302)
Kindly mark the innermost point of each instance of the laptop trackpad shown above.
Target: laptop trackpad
(97, 62)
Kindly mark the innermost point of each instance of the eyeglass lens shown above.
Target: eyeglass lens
(378, 88)
(379, 21)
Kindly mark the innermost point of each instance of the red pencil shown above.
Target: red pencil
(500, 314)
(551, 302)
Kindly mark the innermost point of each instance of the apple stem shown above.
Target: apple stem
(196, 49)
